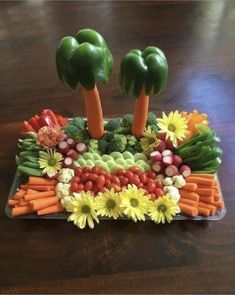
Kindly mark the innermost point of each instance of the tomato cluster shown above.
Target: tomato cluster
(97, 180)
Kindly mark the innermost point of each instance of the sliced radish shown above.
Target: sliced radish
(157, 167)
(171, 170)
(68, 162)
(81, 147)
(185, 170)
(167, 160)
(160, 147)
(52, 175)
(72, 154)
(156, 156)
(64, 137)
(71, 143)
(63, 147)
(167, 153)
(177, 160)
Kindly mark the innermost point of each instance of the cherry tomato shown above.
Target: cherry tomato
(152, 196)
(106, 175)
(115, 179)
(135, 180)
(80, 187)
(129, 174)
(86, 169)
(151, 187)
(101, 171)
(120, 171)
(159, 184)
(134, 169)
(88, 186)
(107, 182)
(92, 177)
(116, 187)
(141, 185)
(95, 190)
(151, 174)
(76, 179)
(101, 181)
(159, 192)
(102, 189)
(149, 180)
(84, 177)
(78, 171)
(74, 187)
(123, 180)
(95, 170)
(143, 178)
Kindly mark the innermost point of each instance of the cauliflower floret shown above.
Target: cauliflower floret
(168, 181)
(65, 175)
(66, 201)
(160, 177)
(172, 191)
(179, 181)
(62, 190)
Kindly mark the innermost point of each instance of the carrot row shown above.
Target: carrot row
(37, 195)
(202, 192)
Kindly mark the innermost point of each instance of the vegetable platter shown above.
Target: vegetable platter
(137, 167)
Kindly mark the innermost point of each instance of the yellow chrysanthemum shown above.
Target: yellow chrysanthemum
(163, 209)
(175, 126)
(82, 208)
(149, 140)
(50, 161)
(108, 204)
(134, 203)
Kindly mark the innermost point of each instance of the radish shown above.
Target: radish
(161, 136)
(63, 147)
(64, 137)
(177, 160)
(185, 170)
(68, 162)
(157, 167)
(156, 156)
(167, 153)
(72, 154)
(171, 170)
(167, 160)
(160, 147)
(81, 148)
(170, 145)
(52, 175)
(71, 143)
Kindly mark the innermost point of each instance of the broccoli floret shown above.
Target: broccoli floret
(102, 146)
(118, 143)
(131, 140)
(127, 121)
(113, 124)
(71, 131)
(152, 119)
(79, 122)
(108, 136)
(137, 147)
(154, 128)
(82, 136)
(92, 145)
(130, 149)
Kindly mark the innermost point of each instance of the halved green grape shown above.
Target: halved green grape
(81, 162)
(106, 158)
(116, 155)
(128, 155)
(140, 156)
(88, 156)
(90, 163)
(96, 156)
(120, 161)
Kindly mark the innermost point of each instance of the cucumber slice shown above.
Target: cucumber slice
(116, 155)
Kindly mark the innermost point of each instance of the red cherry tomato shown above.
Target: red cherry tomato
(129, 174)
(123, 180)
(88, 186)
(78, 171)
(74, 187)
(149, 180)
(101, 171)
(80, 187)
(135, 180)
(151, 187)
(106, 175)
(159, 184)
(141, 185)
(159, 192)
(76, 179)
(102, 189)
(120, 171)
(152, 196)
(92, 177)
(101, 181)
(143, 178)
(84, 177)
(86, 169)
(95, 190)
(116, 187)
(134, 169)
(151, 174)
(107, 182)
(115, 179)
(95, 170)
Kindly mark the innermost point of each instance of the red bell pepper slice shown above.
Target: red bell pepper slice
(62, 121)
(33, 122)
(47, 113)
(28, 127)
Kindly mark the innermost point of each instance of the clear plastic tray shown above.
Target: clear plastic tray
(18, 180)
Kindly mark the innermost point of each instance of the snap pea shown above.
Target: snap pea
(31, 159)
(28, 153)
(30, 171)
(31, 165)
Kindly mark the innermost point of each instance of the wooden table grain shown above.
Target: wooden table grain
(53, 256)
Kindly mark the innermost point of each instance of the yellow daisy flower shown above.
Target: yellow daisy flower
(134, 203)
(108, 204)
(50, 161)
(175, 126)
(82, 208)
(163, 209)
(149, 140)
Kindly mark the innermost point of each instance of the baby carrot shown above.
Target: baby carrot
(190, 186)
(30, 191)
(188, 210)
(217, 197)
(208, 206)
(43, 203)
(203, 211)
(205, 192)
(41, 187)
(188, 202)
(39, 195)
(51, 209)
(218, 204)
(200, 180)
(206, 199)
(189, 195)
(13, 202)
(17, 211)
(209, 176)
(41, 181)
(23, 186)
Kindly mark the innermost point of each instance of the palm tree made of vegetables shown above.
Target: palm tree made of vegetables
(82, 59)
(143, 73)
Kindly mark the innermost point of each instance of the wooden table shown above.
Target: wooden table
(53, 256)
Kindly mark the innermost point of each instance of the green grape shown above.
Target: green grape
(106, 158)
(116, 155)
(128, 155)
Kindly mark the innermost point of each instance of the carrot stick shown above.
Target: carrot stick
(19, 195)
(51, 209)
(17, 211)
(41, 187)
(200, 180)
(203, 211)
(209, 176)
(23, 203)
(218, 204)
(205, 192)
(206, 199)
(94, 112)
(12, 202)
(31, 191)
(41, 181)
(188, 202)
(208, 206)
(189, 195)
(188, 210)
(20, 192)
(23, 186)
(43, 203)
(217, 197)
(140, 114)
(190, 186)
(39, 195)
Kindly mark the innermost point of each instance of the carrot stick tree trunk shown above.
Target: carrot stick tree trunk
(94, 112)
(140, 114)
